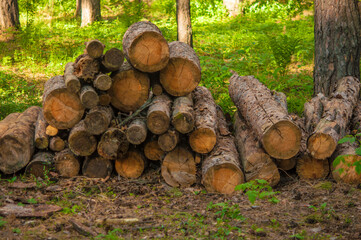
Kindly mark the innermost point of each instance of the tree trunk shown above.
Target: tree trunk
(89, 97)
(183, 72)
(337, 43)
(279, 136)
(145, 47)
(113, 59)
(71, 81)
(80, 141)
(184, 23)
(131, 165)
(17, 141)
(62, 108)
(78, 8)
(66, 163)
(41, 139)
(86, 68)
(137, 131)
(98, 119)
(183, 114)
(103, 82)
(57, 144)
(9, 14)
(94, 49)
(152, 151)
(97, 167)
(90, 11)
(221, 168)
(40, 164)
(168, 140)
(113, 144)
(158, 116)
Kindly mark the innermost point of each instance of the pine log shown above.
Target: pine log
(56, 144)
(255, 162)
(157, 88)
(221, 168)
(104, 98)
(62, 108)
(310, 168)
(97, 167)
(145, 47)
(80, 141)
(40, 164)
(103, 82)
(279, 136)
(158, 116)
(183, 114)
(7, 121)
(51, 131)
(89, 97)
(94, 48)
(41, 139)
(168, 140)
(113, 144)
(131, 165)
(203, 138)
(66, 163)
(72, 83)
(152, 151)
(113, 59)
(130, 89)
(183, 72)
(137, 131)
(179, 168)
(17, 141)
(335, 119)
(97, 120)
(313, 111)
(86, 68)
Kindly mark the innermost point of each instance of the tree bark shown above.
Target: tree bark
(41, 139)
(9, 14)
(183, 114)
(131, 165)
(71, 81)
(78, 8)
(97, 167)
(137, 131)
(80, 141)
(66, 163)
(313, 111)
(152, 151)
(158, 116)
(98, 119)
(337, 43)
(184, 23)
(86, 68)
(40, 164)
(113, 144)
(90, 11)
(113, 59)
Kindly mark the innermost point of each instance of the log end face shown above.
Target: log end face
(42, 143)
(136, 135)
(321, 146)
(82, 143)
(97, 168)
(310, 168)
(346, 172)
(152, 151)
(95, 49)
(203, 140)
(158, 122)
(38, 169)
(131, 166)
(183, 123)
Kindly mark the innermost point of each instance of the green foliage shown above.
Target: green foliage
(226, 212)
(134, 11)
(2, 222)
(32, 201)
(341, 158)
(258, 189)
(111, 235)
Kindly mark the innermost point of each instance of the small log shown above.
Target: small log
(66, 163)
(113, 59)
(104, 99)
(178, 168)
(86, 68)
(158, 116)
(17, 141)
(256, 163)
(40, 164)
(51, 131)
(94, 48)
(62, 108)
(80, 141)
(130, 89)
(279, 136)
(56, 144)
(97, 120)
(97, 167)
(137, 131)
(29, 211)
(145, 47)
(152, 151)
(221, 168)
(168, 140)
(89, 97)
(286, 164)
(72, 83)
(41, 139)
(103, 82)
(131, 165)
(310, 168)
(113, 144)
(157, 88)
(183, 73)
(183, 114)
(313, 110)
(203, 138)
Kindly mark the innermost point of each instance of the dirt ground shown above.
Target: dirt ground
(147, 208)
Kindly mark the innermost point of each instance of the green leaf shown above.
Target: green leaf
(252, 195)
(357, 165)
(337, 160)
(348, 138)
(358, 151)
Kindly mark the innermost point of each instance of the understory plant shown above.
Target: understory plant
(258, 189)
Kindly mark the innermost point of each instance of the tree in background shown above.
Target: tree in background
(78, 8)
(90, 11)
(9, 14)
(184, 26)
(337, 43)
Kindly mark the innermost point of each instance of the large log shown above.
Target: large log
(17, 141)
(168, 140)
(113, 144)
(7, 121)
(152, 151)
(72, 83)
(80, 141)
(41, 139)
(62, 108)
(137, 131)
(131, 165)
(113, 59)
(158, 116)
(89, 97)
(94, 48)
(66, 163)
(256, 163)
(97, 167)
(203, 138)
(145, 47)
(183, 114)
(335, 119)
(183, 72)
(130, 88)
(56, 144)
(221, 168)
(97, 120)
(279, 136)
(40, 165)
(86, 68)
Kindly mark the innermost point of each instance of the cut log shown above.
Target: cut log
(86, 68)
(204, 138)
(40, 165)
(89, 97)
(113, 144)
(130, 89)
(98, 119)
(51, 131)
(183, 114)
(56, 144)
(62, 108)
(281, 98)
(7, 121)
(145, 47)
(29, 211)
(113, 59)
(313, 110)
(183, 72)
(152, 151)
(335, 119)
(157, 88)
(178, 168)
(158, 116)
(131, 165)
(17, 141)
(103, 82)
(279, 136)
(41, 139)
(80, 141)
(221, 168)
(72, 83)
(356, 117)
(137, 131)
(256, 163)
(286, 164)
(169, 140)
(104, 99)
(94, 48)
(66, 163)
(310, 168)
(97, 167)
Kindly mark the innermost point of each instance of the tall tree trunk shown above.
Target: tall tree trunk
(78, 8)
(184, 26)
(337, 43)
(9, 14)
(90, 11)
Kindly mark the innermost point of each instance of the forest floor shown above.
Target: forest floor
(320, 209)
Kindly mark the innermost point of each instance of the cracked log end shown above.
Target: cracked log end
(311, 168)
(321, 145)
(203, 140)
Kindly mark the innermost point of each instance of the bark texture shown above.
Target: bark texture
(183, 114)
(158, 116)
(71, 81)
(90, 11)
(9, 14)
(184, 24)
(41, 139)
(113, 144)
(86, 68)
